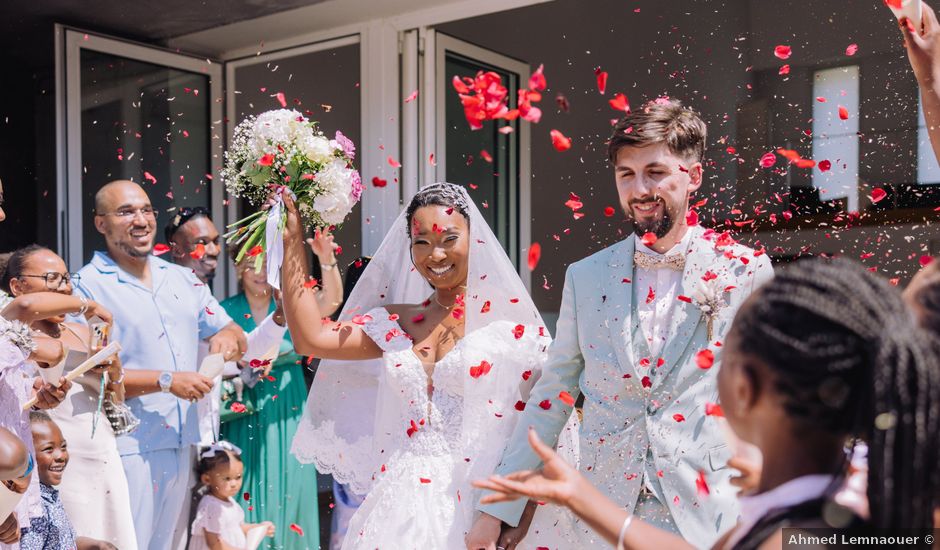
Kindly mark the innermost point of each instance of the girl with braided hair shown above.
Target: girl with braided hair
(824, 354)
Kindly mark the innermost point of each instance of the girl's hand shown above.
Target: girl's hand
(322, 244)
(271, 528)
(923, 44)
(556, 482)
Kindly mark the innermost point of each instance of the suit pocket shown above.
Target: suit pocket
(718, 457)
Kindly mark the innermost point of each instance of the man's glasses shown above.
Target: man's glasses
(129, 213)
(54, 281)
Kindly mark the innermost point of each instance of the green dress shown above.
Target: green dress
(280, 488)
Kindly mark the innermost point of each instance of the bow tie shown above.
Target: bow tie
(676, 262)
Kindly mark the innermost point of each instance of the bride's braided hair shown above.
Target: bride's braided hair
(848, 358)
(438, 194)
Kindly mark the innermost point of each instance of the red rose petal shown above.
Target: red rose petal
(297, 529)
(266, 160)
(852, 48)
(620, 103)
(545, 404)
(160, 248)
(678, 417)
(705, 359)
(691, 218)
(877, 195)
(701, 485)
(535, 253)
(713, 409)
(649, 239)
(768, 160)
(559, 141)
(518, 331)
(783, 52)
(526, 375)
(601, 80)
(379, 182)
(609, 211)
(520, 405)
(843, 113)
(824, 165)
(566, 398)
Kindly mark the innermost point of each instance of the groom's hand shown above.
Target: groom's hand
(485, 533)
(512, 536)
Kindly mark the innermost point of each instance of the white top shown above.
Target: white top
(656, 294)
(795, 491)
(221, 517)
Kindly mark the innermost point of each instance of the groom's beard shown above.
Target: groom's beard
(659, 227)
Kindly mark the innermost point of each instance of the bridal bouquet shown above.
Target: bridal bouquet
(279, 152)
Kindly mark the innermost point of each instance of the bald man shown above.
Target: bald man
(161, 312)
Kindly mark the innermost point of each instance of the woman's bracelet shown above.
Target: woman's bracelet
(623, 531)
(84, 302)
(327, 267)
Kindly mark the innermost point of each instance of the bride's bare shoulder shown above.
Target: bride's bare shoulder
(404, 310)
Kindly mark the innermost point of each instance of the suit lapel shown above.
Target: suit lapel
(687, 316)
(618, 300)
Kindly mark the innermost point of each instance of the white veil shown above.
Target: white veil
(342, 430)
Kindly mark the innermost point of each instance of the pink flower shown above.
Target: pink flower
(346, 144)
(356, 186)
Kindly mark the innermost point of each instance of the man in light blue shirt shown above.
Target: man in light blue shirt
(161, 312)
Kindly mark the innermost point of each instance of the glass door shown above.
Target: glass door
(138, 113)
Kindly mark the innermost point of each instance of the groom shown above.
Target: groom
(634, 338)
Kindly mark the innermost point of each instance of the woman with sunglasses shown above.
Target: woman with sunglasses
(95, 492)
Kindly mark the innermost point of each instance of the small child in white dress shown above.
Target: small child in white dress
(220, 521)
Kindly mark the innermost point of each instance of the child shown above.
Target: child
(53, 530)
(220, 521)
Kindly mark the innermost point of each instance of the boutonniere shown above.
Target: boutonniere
(709, 298)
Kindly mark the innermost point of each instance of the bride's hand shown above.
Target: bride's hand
(322, 244)
(556, 482)
(294, 228)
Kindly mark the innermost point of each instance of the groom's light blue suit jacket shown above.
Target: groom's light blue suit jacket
(629, 432)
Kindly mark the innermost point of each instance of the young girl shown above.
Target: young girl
(824, 353)
(220, 521)
(53, 530)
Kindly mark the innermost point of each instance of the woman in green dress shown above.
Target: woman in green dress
(277, 486)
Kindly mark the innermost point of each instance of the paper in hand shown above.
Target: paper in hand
(910, 9)
(255, 536)
(212, 366)
(52, 374)
(8, 501)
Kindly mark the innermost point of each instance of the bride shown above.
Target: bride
(436, 357)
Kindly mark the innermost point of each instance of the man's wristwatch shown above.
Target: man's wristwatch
(165, 381)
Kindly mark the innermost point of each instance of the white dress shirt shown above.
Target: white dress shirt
(791, 493)
(656, 292)
(265, 337)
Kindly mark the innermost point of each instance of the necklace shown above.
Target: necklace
(442, 305)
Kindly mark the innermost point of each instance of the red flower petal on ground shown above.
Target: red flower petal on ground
(877, 195)
(678, 417)
(379, 182)
(824, 165)
(843, 113)
(649, 239)
(266, 160)
(620, 103)
(160, 248)
(713, 409)
(783, 52)
(566, 398)
(705, 359)
(518, 331)
(545, 404)
(701, 485)
(535, 253)
(559, 141)
(601, 80)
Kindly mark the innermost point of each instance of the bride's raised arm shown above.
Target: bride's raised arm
(311, 336)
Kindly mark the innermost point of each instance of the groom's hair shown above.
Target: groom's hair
(662, 120)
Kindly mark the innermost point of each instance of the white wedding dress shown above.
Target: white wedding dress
(412, 437)
(422, 497)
